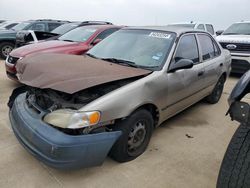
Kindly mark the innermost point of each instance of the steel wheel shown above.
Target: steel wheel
(136, 137)
(136, 133)
(6, 50)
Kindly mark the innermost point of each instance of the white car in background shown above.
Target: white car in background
(196, 25)
(8, 24)
(236, 39)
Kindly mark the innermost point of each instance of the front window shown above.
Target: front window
(80, 34)
(21, 26)
(238, 29)
(140, 48)
(187, 49)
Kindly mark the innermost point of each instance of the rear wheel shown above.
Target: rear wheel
(215, 96)
(235, 167)
(5, 49)
(136, 133)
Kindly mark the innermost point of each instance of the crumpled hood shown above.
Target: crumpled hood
(234, 38)
(71, 73)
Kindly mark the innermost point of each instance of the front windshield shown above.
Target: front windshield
(20, 26)
(64, 28)
(80, 34)
(143, 48)
(2, 24)
(238, 29)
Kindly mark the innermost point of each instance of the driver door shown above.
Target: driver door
(184, 86)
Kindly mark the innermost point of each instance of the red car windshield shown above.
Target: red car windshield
(80, 34)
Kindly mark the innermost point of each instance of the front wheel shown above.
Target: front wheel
(235, 167)
(5, 49)
(215, 96)
(136, 133)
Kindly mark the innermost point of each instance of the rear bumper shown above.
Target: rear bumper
(55, 148)
(240, 63)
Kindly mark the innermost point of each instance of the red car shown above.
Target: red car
(77, 41)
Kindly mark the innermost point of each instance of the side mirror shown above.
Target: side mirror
(181, 64)
(219, 32)
(96, 41)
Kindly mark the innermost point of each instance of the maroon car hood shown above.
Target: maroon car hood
(46, 46)
(71, 73)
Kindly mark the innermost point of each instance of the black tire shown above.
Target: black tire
(215, 96)
(235, 167)
(129, 147)
(15, 93)
(5, 49)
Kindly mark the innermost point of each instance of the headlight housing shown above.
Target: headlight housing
(72, 119)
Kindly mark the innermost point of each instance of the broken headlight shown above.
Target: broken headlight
(72, 119)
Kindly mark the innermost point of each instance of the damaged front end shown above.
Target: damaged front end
(63, 111)
(35, 118)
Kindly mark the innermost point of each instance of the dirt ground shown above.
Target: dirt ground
(171, 160)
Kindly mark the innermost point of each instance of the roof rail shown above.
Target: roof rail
(51, 20)
(95, 23)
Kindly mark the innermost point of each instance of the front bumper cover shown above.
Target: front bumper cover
(52, 146)
(240, 62)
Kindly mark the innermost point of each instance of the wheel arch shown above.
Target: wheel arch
(152, 108)
(224, 75)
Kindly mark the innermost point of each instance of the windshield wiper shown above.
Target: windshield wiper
(91, 55)
(68, 40)
(122, 62)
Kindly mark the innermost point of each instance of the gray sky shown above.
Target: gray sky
(221, 13)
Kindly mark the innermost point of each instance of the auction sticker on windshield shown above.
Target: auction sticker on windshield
(160, 35)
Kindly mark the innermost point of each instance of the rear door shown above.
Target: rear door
(213, 62)
(184, 86)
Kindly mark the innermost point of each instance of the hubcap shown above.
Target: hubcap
(6, 50)
(136, 137)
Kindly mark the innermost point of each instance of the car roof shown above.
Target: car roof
(101, 26)
(243, 22)
(190, 23)
(175, 29)
(48, 20)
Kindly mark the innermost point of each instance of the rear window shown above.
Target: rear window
(208, 47)
(210, 29)
(201, 27)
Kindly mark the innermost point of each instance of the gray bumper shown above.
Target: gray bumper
(55, 148)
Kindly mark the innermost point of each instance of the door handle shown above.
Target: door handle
(201, 73)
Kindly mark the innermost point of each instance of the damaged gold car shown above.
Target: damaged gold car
(78, 109)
